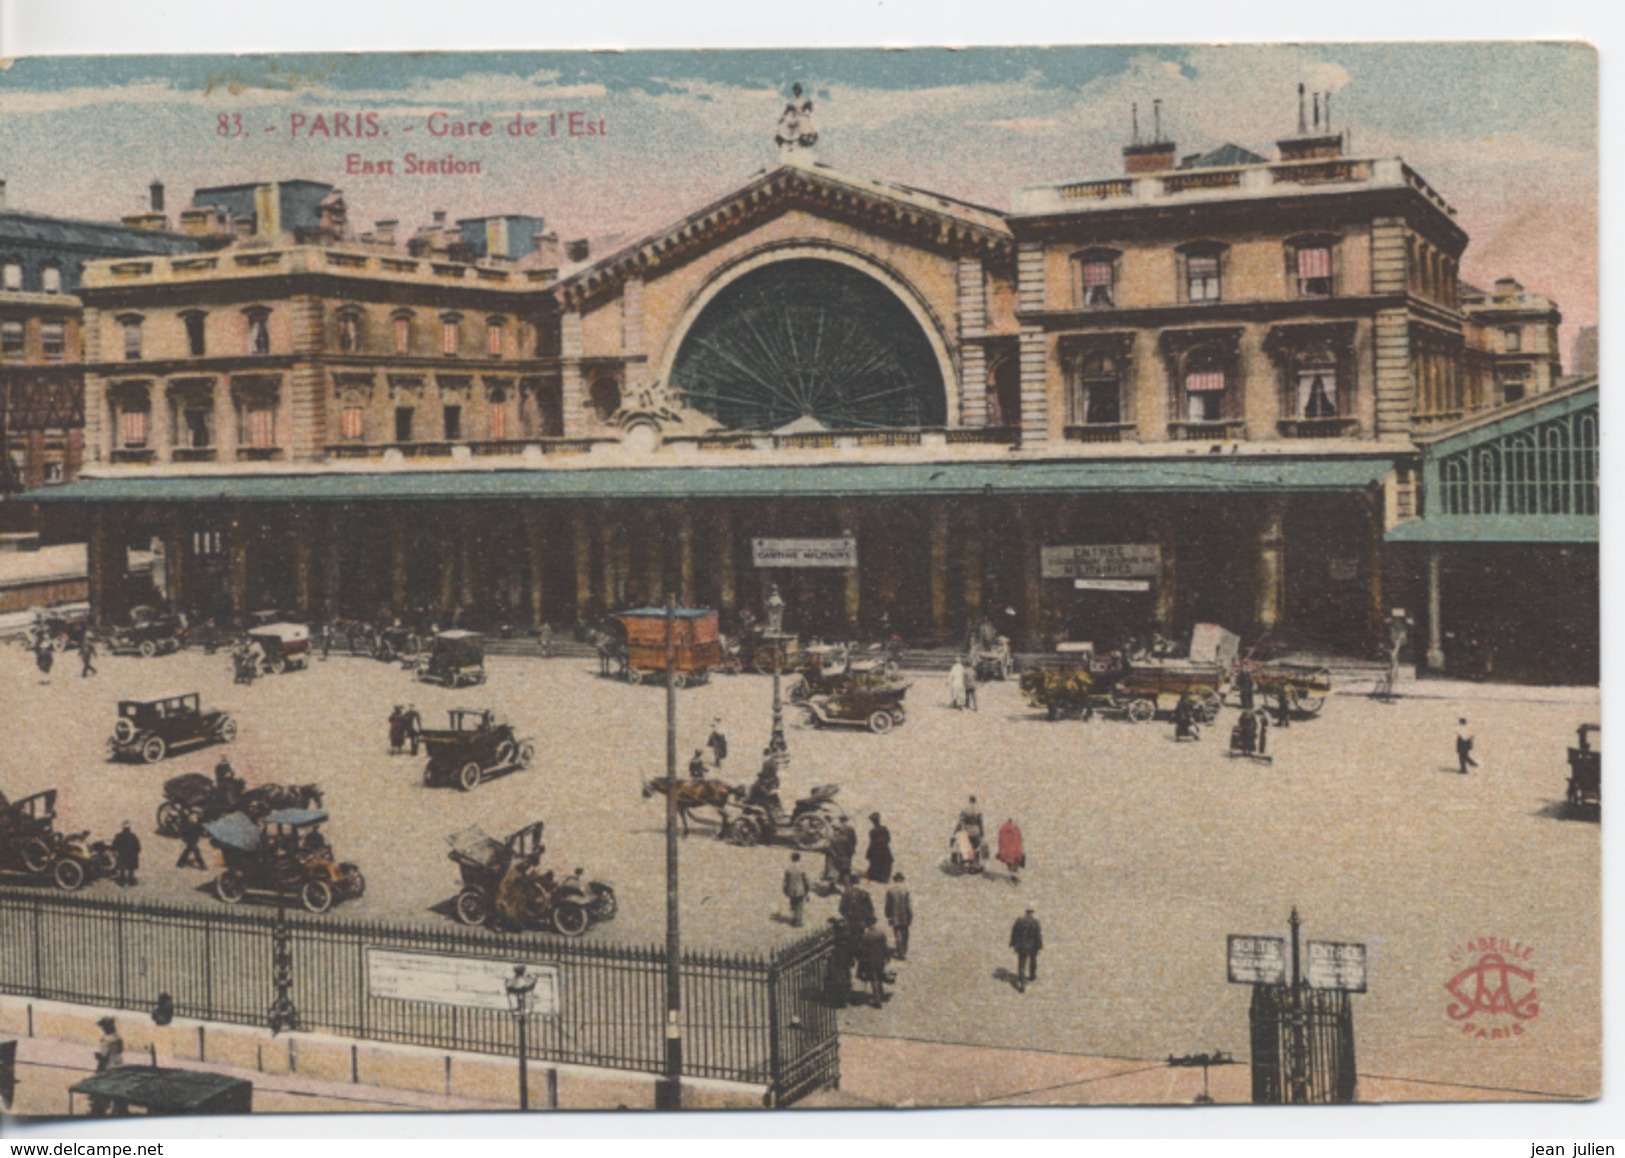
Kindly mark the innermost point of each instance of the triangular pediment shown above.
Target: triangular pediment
(925, 218)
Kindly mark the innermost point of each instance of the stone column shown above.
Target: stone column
(1271, 564)
(1032, 585)
(572, 388)
(972, 308)
(162, 417)
(653, 578)
(685, 554)
(939, 568)
(536, 542)
(397, 562)
(852, 580)
(727, 592)
(886, 566)
(467, 542)
(971, 521)
(610, 589)
(303, 561)
(1031, 288)
(106, 577)
(448, 574)
(1165, 533)
(175, 561)
(333, 566)
(225, 421)
(581, 538)
(1435, 625)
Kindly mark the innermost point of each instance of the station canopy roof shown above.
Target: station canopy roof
(1197, 474)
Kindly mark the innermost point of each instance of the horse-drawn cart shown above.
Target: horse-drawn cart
(1306, 685)
(694, 645)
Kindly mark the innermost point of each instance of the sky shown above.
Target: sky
(1506, 131)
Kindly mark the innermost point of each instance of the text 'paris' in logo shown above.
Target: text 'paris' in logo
(1495, 995)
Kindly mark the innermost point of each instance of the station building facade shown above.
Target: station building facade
(1187, 393)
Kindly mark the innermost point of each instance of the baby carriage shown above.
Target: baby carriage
(964, 853)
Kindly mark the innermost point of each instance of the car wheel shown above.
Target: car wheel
(570, 919)
(170, 816)
(604, 904)
(68, 875)
(226, 730)
(527, 754)
(36, 856)
(1141, 711)
(468, 777)
(352, 881)
(316, 896)
(153, 749)
(743, 832)
(634, 676)
(473, 908)
(124, 730)
(880, 723)
(148, 649)
(229, 887)
(812, 832)
(277, 665)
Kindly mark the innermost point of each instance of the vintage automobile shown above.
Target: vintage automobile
(566, 906)
(284, 856)
(695, 645)
(395, 642)
(456, 660)
(996, 662)
(148, 633)
(286, 646)
(829, 669)
(473, 748)
(1585, 770)
(30, 843)
(63, 625)
(151, 728)
(808, 825)
(877, 708)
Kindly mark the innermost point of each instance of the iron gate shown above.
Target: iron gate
(1302, 1045)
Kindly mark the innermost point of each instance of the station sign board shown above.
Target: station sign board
(1101, 561)
(840, 553)
(1257, 960)
(472, 983)
(1112, 584)
(1336, 965)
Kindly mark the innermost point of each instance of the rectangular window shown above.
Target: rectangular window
(403, 424)
(1203, 279)
(1512, 390)
(353, 423)
(493, 340)
(194, 335)
(448, 338)
(55, 472)
(258, 428)
(454, 421)
(1512, 340)
(133, 428)
(1101, 403)
(51, 279)
(1317, 393)
(53, 339)
(132, 340)
(499, 421)
(1204, 396)
(12, 279)
(403, 335)
(196, 422)
(1097, 283)
(350, 334)
(11, 339)
(259, 334)
(1315, 272)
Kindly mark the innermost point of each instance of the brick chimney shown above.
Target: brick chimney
(156, 192)
(383, 232)
(1315, 143)
(1153, 156)
(1507, 288)
(578, 250)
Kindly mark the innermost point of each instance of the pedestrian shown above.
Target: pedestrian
(879, 850)
(327, 640)
(970, 685)
(796, 889)
(1263, 719)
(1283, 708)
(87, 657)
(956, 684)
(970, 824)
(127, 855)
(838, 972)
(696, 766)
(1012, 854)
(857, 906)
(1464, 746)
(1248, 724)
(544, 640)
(191, 855)
(44, 657)
(1244, 687)
(109, 1056)
(1026, 938)
(1185, 719)
(843, 847)
(718, 743)
(899, 914)
(397, 731)
(414, 727)
(873, 953)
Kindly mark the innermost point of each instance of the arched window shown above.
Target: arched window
(1097, 395)
(605, 398)
(1094, 278)
(1205, 382)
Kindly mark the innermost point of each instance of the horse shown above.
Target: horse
(692, 794)
(261, 801)
(611, 652)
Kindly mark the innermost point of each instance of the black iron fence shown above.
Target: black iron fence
(746, 1017)
(1303, 1045)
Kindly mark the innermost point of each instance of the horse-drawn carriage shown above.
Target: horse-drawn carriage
(995, 661)
(1585, 770)
(695, 646)
(30, 843)
(1076, 683)
(285, 856)
(540, 900)
(455, 660)
(830, 669)
(808, 825)
(1307, 686)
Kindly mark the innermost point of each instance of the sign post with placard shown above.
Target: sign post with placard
(1101, 561)
(1336, 965)
(1257, 960)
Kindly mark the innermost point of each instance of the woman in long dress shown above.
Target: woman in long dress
(956, 684)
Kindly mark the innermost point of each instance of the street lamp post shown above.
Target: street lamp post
(520, 988)
(668, 1092)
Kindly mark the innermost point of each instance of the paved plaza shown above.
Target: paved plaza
(1143, 853)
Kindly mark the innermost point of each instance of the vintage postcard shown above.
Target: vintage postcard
(831, 578)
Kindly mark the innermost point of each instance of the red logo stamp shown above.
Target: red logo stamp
(1494, 991)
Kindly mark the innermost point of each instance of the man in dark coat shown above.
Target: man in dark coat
(1283, 708)
(718, 743)
(899, 914)
(796, 888)
(838, 977)
(872, 954)
(1263, 719)
(414, 727)
(191, 855)
(127, 855)
(1244, 688)
(696, 766)
(857, 906)
(879, 851)
(842, 847)
(87, 657)
(1026, 938)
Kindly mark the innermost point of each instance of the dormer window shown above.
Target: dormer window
(11, 276)
(259, 330)
(51, 279)
(1095, 278)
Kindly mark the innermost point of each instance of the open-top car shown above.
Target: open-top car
(148, 633)
(151, 729)
(456, 660)
(286, 646)
(879, 709)
(545, 901)
(475, 747)
(285, 856)
(30, 843)
(63, 625)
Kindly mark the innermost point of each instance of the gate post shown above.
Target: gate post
(283, 1013)
(775, 1047)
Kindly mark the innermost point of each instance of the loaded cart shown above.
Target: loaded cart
(694, 639)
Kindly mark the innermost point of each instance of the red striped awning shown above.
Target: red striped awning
(135, 428)
(1315, 262)
(499, 422)
(353, 422)
(1201, 381)
(1097, 273)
